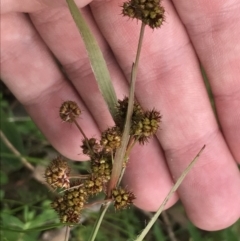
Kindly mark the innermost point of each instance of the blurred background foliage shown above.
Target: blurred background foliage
(25, 199)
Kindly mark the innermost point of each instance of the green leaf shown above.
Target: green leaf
(11, 221)
(97, 61)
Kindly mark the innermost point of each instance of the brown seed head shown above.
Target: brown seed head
(122, 112)
(111, 139)
(94, 145)
(102, 167)
(122, 198)
(57, 173)
(69, 111)
(147, 126)
(94, 184)
(70, 205)
(148, 11)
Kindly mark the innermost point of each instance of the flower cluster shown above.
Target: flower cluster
(70, 204)
(122, 198)
(144, 124)
(57, 173)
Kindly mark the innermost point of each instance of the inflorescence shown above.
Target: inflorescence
(150, 12)
(75, 195)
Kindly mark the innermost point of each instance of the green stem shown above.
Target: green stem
(118, 170)
(98, 222)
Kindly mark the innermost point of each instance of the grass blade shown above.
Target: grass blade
(97, 61)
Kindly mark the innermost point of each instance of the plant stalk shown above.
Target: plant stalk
(121, 152)
(97, 224)
(118, 170)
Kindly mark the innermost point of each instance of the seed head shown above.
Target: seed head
(147, 126)
(122, 198)
(111, 139)
(148, 11)
(70, 205)
(57, 173)
(94, 184)
(95, 147)
(69, 111)
(102, 167)
(122, 112)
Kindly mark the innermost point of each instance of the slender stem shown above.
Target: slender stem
(21, 158)
(66, 238)
(173, 189)
(170, 231)
(131, 143)
(16, 152)
(118, 170)
(97, 224)
(121, 152)
(79, 128)
(85, 137)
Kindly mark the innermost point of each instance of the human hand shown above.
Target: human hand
(169, 79)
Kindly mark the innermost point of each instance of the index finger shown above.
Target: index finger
(28, 6)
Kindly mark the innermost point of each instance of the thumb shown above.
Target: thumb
(28, 6)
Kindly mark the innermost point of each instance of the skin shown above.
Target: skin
(169, 79)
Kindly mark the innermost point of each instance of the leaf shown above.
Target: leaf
(9, 220)
(97, 61)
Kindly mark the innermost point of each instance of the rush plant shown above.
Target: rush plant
(108, 155)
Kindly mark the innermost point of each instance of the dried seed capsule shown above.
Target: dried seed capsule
(95, 147)
(148, 11)
(57, 173)
(122, 112)
(94, 184)
(147, 126)
(102, 167)
(70, 205)
(69, 111)
(122, 198)
(111, 139)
